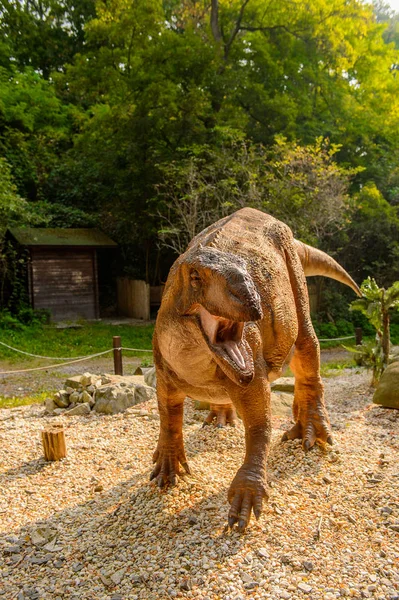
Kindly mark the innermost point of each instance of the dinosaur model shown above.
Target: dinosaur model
(234, 311)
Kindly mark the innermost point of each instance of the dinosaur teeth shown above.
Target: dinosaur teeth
(234, 353)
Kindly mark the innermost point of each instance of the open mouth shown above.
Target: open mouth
(225, 339)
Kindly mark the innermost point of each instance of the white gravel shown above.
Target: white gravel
(330, 529)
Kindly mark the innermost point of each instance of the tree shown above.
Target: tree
(301, 185)
(377, 304)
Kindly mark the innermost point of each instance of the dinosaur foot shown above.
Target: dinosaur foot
(167, 465)
(246, 494)
(311, 430)
(225, 414)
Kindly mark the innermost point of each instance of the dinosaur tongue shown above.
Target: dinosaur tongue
(225, 335)
(234, 352)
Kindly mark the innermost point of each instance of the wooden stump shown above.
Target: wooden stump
(53, 440)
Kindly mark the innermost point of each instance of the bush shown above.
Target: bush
(25, 317)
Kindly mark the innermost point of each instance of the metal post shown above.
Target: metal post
(116, 343)
(358, 335)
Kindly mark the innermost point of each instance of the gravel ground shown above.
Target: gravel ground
(93, 527)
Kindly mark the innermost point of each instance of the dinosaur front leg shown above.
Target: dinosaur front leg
(169, 454)
(249, 487)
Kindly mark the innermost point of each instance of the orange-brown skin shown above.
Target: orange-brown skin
(234, 308)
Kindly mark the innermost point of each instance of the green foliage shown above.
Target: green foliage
(301, 185)
(376, 305)
(88, 339)
(125, 114)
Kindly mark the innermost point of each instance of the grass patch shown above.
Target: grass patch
(89, 339)
(14, 401)
(334, 368)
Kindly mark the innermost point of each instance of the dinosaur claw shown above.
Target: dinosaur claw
(285, 437)
(307, 445)
(330, 440)
(219, 426)
(242, 523)
(186, 468)
(231, 521)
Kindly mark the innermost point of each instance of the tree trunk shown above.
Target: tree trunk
(53, 440)
(215, 21)
(385, 338)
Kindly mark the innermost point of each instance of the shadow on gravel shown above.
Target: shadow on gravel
(127, 527)
(26, 469)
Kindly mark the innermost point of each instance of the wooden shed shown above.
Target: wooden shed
(62, 270)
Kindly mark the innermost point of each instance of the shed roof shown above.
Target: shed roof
(29, 236)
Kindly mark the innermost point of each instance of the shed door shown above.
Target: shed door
(65, 283)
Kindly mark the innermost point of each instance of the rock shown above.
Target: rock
(105, 379)
(79, 410)
(59, 411)
(263, 553)
(308, 565)
(73, 382)
(86, 397)
(74, 397)
(281, 404)
(394, 354)
(118, 576)
(305, 587)
(61, 399)
(387, 392)
(87, 379)
(283, 384)
(50, 405)
(111, 400)
(143, 393)
(42, 535)
(150, 377)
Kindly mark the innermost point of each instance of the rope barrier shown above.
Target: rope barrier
(133, 349)
(64, 364)
(39, 355)
(71, 362)
(348, 337)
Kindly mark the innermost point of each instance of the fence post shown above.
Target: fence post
(116, 343)
(358, 335)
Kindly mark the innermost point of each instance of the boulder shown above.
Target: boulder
(86, 397)
(110, 400)
(394, 354)
(143, 393)
(50, 405)
(387, 392)
(150, 377)
(61, 399)
(79, 410)
(281, 404)
(284, 384)
(73, 382)
(74, 397)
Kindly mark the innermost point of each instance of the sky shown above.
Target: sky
(394, 4)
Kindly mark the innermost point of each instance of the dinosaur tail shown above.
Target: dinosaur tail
(316, 262)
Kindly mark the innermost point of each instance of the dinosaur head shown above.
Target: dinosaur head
(219, 293)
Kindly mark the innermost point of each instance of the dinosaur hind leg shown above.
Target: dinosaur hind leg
(310, 413)
(223, 414)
